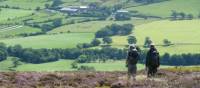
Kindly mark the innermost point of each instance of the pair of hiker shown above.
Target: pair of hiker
(152, 61)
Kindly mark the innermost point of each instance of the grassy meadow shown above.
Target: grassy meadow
(176, 31)
(17, 29)
(6, 14)
(93, 26)
(51, 41)
(164, 9)
(25, 4)
(65, 65)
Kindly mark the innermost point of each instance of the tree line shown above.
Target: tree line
(181, 16)
(114, 29)
(37, 56)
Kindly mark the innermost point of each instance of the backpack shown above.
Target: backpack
(133, 57)
(154, 59)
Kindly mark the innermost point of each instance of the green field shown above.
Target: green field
(25, 4)
(65, 65)
(163, 9)
(6, 14)
(17, 29)
(51, 41)
(93, 26)
(176, 31)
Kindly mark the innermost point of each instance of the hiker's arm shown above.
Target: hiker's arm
(127, 59)
(147, 59)
(158, 60)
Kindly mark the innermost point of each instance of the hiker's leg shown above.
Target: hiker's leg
(148, 72)
(129, 73)
(154, 70)
(134, 68)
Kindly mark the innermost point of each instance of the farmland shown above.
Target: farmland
(65, 65)
(164, 9)
(17, 29)
(6, 14)
(96, 25)
(176, 31)
(51, 41)
(25, 4)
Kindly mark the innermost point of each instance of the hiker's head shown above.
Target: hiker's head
(132, 47)
(152, 46)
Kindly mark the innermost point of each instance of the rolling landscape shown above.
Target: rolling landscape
(64, 43)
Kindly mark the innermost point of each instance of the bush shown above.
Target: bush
(86, 68)
(132, 40)
(167, 42)
(82, 59)
(123, 16)
(74, 65)
(95, 42)
(107, 40)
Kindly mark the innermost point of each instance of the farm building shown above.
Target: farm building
(74, 10)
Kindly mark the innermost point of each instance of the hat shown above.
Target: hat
(132, 45)
(152, 44)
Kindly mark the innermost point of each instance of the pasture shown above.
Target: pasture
(65, 65)
(164, 9)
(14, 30)
(6, 14)
(51, 41)
(25, 4)
(93, 26)
(175, 31)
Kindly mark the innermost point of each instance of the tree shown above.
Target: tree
(95, 42)
(16, 62)
(74, 65)
(132, 40)
(3, 55)
(122, 16)
(182, 15)
(57, 22)
(37, 8)
(127, 29)
(174, 15)
(3, 51)
(107, 40)
(16, 50)
(3, 47)
(166, 42)
(82, 59)
(199, 16)
(46, 27)
(147, 42)
(190, 16)
(46, 6)
(56, 3)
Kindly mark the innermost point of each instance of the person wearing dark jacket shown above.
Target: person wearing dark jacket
(132, 59)
(152, 61)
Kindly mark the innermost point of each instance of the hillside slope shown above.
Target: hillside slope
(163, 9)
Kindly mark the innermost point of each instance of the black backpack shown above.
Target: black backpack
(154, 59)
(133, 57)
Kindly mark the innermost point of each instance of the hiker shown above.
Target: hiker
(152, 61)
(132, 59)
